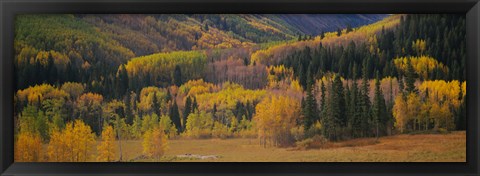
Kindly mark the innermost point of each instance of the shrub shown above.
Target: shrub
(316, 141)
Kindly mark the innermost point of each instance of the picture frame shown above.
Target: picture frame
(10, 8)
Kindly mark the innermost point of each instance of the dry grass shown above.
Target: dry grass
(401, 148)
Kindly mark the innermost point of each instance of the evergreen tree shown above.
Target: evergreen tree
(121, 82)
(364, 99)
(335, 117)
(339, 102)
(156, 104)
(175, 116)
(194, 105)
(214, 112)
(310, 105)
(169, 96)
(349, 28)
(188, 109)
(379, 107)
(410, 76)
(52, 70)
(239, 110)
(128, 109)
(356, 108)
(177, 76)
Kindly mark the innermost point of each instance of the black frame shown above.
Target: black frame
(9, 8)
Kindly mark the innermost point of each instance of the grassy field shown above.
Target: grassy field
(400, 148)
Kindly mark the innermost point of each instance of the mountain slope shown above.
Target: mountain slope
(313, 24)
(148, 34)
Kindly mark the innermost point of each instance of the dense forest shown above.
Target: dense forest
(85, 83)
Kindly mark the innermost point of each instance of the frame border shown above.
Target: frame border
(9, 8)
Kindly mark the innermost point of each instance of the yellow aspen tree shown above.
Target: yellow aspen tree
(275, 117)
(28, 148)
(60, 146)
(72, 144)
(400, 113)
(107, 148)
(155, 143)
(85, 140)
(413, 109)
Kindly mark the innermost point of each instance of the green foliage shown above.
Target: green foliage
(159, 69)
(33, 121)
(167, 125)
(149, 122)
(199, 125)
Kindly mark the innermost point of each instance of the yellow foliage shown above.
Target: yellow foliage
(419, 46)
(199, 125)
(196, 87)
(161, 65)
(443, 91)
(220, 131)
(40, 92)
(155, 143)
(422, 65)
(275, 117)
(72, 144)
(399, 113)
(168, 126)
(228, 97)
(91, 99)
(274, 54)
(107, 148)
(146, 98)
(28, 147)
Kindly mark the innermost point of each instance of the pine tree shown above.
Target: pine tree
(128, 109)
(121, 82)
(379, 107)
(194, 105)
(410, 76)
(52, 70)
(339, 100)
(310, 110)
(335, 116)
(349, 28)
(365, 102)
(156, 104)
(175, 115)
(169, 96)
(187, 110)
(214, 112)
(355, 119)
(177, 76)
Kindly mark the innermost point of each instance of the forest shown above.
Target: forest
(91, 88)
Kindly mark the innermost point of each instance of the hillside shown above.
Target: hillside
(312, 24)
(75, 46)
(147, 34)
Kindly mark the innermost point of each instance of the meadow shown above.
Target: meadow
(399, 148)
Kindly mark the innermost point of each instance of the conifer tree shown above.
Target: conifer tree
(175, 115)
(310, 105)
(156, 104)
(365, 116)
(379, 107)
(410, 76)
(187, 110)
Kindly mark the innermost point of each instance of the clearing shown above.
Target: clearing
(400, 148)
